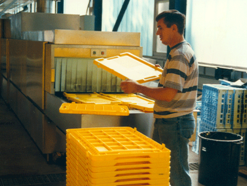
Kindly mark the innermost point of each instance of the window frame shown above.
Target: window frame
(155, 53)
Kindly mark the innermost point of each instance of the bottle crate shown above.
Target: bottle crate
(214, 105)
(242, 132)
(234, 115)
(244, 110)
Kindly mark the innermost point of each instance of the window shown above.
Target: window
(75, 7)
(159, 49)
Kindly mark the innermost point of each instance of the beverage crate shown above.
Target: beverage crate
(205, 127)
(214, 105)
(202, 127)
(241, 132)
(115, 156)
(224, 105)
(237, 108)
(244, 110)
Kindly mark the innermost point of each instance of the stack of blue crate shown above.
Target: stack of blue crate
(224, 108)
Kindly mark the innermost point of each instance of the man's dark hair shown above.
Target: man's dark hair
(173, 17)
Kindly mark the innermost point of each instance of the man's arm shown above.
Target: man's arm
(159, 93)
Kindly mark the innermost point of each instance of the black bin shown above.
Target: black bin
(219, 154)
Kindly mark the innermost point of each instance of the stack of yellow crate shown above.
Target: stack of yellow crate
(114, 157)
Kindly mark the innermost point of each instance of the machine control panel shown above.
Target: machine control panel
(97, 52)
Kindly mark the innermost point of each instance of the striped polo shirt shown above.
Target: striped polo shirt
(181, 73)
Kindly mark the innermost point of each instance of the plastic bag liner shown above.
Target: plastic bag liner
(219, 154)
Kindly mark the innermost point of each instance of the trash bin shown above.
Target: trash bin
(219, 154)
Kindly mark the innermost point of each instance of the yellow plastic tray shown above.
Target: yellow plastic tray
(78, 108)
(131, 156)
(80, 180)
(93, 98)
(115, 164)
(129, 66)
(102, 144)
(81, 166)
(132, 101)
(118, 178)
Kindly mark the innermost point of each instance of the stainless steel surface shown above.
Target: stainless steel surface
(24, 21)
(44, 6)
(35, 72)
(4, 57)
(5, 28)
(18, 63)
(83, 37)
(27, 68)
(87, 22)
(42, 130)
(4, 88)
(32, 67)
(142, 121)
(13, 97)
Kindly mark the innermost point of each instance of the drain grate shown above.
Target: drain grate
(32, 179)
(194, 166)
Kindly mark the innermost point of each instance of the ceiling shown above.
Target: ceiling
(6, 5)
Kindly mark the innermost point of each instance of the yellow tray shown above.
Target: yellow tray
(129, 66)
(109, 143)
(93, 98)
(132, 101)
(117, 178)
(77, 179)
(80, 156)
(81, 166)
(78, 108)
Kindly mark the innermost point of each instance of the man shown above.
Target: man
(175, 96)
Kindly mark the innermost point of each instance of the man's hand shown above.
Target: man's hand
(157, 65)
(129, 86)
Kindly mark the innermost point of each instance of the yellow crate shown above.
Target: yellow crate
(82, 166)
(151, 171)
(159, 171)
(145, 160)
(118, 169)
(119, 177)
(116, 142)
(101, 144)
(115, 156)
(80, 180)
(77, 108)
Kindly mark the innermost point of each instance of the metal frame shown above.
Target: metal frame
(157, 54)
(120, 15)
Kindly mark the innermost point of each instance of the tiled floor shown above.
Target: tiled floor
(21, 162)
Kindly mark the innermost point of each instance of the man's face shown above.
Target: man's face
(163, 32)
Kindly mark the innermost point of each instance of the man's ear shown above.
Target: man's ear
(174, 27)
